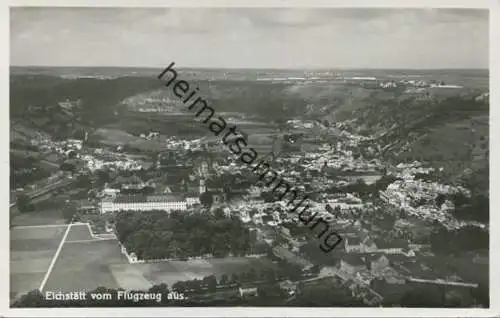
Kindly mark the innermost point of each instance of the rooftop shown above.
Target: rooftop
(354, 260)
(144, 198)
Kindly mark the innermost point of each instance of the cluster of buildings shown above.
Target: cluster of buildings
(417, 197)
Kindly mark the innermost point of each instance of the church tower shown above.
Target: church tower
(203, 188)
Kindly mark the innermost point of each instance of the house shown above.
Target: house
(352, 264)
(376, 263)
(408, 252)
(359, 245)
(192, 200)
(290, 257)
(133, 257)
(86, 207)
(289, 287)
(397, 259)
(393, 247)
(352, 244)
(248, 291)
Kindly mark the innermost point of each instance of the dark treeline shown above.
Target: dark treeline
(467, 238)
(364, 189)
(157, 235)
(98, 96)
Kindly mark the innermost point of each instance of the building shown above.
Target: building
(352, 264)
(110, 192)
(202, 187)
(143, 203)
(86, 207)
(357, 245)
(248, 292)
(288, 287)
(376, 263)
(394, 247)
(192, 200)
(291, 257)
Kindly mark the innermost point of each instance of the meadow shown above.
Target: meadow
(31, 251)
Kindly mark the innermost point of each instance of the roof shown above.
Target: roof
(354, 260)
(130, 198)
(143, 198)
(353, 241)
(369, 241)
(164, 198)
(132, 179)
(397, 258)
(391, 244)
(374, 257)
(290, 256)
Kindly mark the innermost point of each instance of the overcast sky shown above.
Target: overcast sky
(250, 38)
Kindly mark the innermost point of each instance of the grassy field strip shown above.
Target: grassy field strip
(54, 259)
(38, 226)
(92, 240)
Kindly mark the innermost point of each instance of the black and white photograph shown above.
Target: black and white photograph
(263, 157)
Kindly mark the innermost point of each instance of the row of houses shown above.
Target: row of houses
(362, 243)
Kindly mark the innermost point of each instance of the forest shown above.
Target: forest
(158, 235)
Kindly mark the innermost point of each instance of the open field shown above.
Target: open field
(49, 216)
(173, 271)
(85, 266)
(85, 263)
(79, 232)
(129, 277)
(31, 251)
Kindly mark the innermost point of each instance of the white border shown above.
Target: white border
(263, 311)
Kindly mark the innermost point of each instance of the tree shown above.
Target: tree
(252, 274)
(206, 199)
(103, 176)
(219, 214)
(83, 181)
(428, 296)
(440, 199)
(253, 212)
(211, 282)
(179, 286)
(224, 279)
(235, 278)
(32, 299)
(66, 166)
(69, 212)
(271, 275)
(24, 203)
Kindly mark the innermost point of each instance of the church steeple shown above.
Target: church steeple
(203, 188)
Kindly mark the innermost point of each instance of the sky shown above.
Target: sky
(250, 37)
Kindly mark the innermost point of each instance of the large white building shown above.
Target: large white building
(144, 203)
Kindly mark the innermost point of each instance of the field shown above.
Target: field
(78, 233)
(38, 218)
(31, 251)
(173, 271)
(84, 262)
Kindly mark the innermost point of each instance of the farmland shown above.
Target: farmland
(173, 271)
(85, 263)
(31, 251)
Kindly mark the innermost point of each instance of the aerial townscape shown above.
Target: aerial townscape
(117, 189)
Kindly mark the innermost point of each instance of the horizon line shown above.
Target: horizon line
(254, 68)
